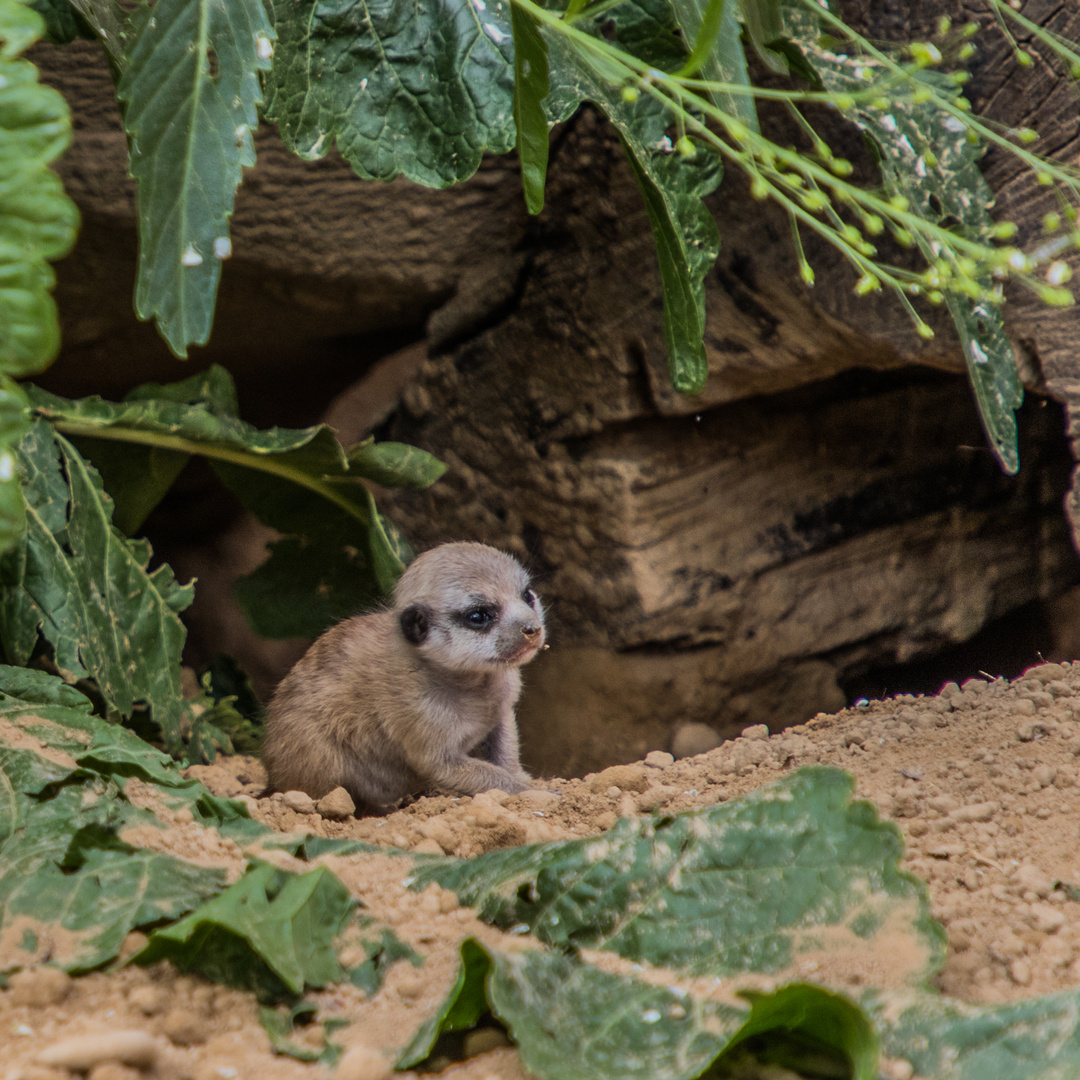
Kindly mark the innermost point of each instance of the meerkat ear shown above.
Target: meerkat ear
(415, 622)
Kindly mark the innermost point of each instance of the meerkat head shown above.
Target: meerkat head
(469, 607)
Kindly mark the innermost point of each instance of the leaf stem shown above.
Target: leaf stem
(247, 459)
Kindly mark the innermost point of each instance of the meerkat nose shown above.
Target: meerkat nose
(531, 630)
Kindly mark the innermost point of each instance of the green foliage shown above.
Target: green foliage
(724, 890)
(671, 184)
(63, 24)
(280, 1025)
(63, 866)
(929, 161)
(272, 932)
(37, 220)
(415, 91)
(717, 55)
(37, 224)
(190, 89)
(1038, 1039)
(382, 951)
(336, 553)
(78, 872)
(531, 86)
(74, 581)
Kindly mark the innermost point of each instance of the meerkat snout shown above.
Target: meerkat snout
(421, 695)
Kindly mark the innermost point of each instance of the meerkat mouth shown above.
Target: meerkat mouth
(524, 653)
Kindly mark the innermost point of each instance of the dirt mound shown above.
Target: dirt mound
(982, 780)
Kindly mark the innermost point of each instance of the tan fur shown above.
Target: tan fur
(385, 716)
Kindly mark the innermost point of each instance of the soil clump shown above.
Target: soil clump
(982, 779)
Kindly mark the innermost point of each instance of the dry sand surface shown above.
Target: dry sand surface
(984, 781)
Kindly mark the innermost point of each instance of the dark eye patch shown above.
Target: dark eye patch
(479, 617)
(529, 597)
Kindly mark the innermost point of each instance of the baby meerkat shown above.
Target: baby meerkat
(423, 695)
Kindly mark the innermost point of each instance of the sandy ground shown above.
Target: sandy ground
(982, 779)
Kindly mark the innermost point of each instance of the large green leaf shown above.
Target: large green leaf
(336, 554)
(37, 224)
(420, 90)
(572, 1020)
(744, 886)
(424, 91)
(37, 220)
(272, 932)
(75, 582)
(685, 234)
(70, 888)
(190, 89)
(927, 157)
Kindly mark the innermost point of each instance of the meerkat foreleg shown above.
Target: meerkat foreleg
(500, 747)
(470, 773)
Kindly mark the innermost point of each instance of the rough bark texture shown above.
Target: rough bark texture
(826, 505)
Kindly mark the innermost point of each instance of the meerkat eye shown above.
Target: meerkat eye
(479, 618)
(529, 597)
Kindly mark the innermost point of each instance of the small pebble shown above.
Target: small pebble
(1031, 879)
(363, 1063)
(537, 798)
(692, 739)
(113, 1070)
(1020, 972)
(81, 1053)
(756, 732)
(659, 759)
(299, 801)
(624, 777)
(481, 1040)
(39, 986)
(149, 1000)
(184, 1027)
(336, 805)
(1047, 919)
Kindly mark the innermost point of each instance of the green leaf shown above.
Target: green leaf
(89, 593)
(14, 423)
(744, 886)
(272, 932)
(190, 91)
(280, 1025)
(337, 553)
(382, 952)
(674, 233)
(70, 889)
(944, 1039)
(571, 1020)
(38, 221)
(765, 24)
(951, 193)
(462, 1008)
(138, 476)
(63, 24)
(79, 913)
(713, 27)
(395, 465)
(686, 237)
(530, 88)
(401, 89)
(814, 1019)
